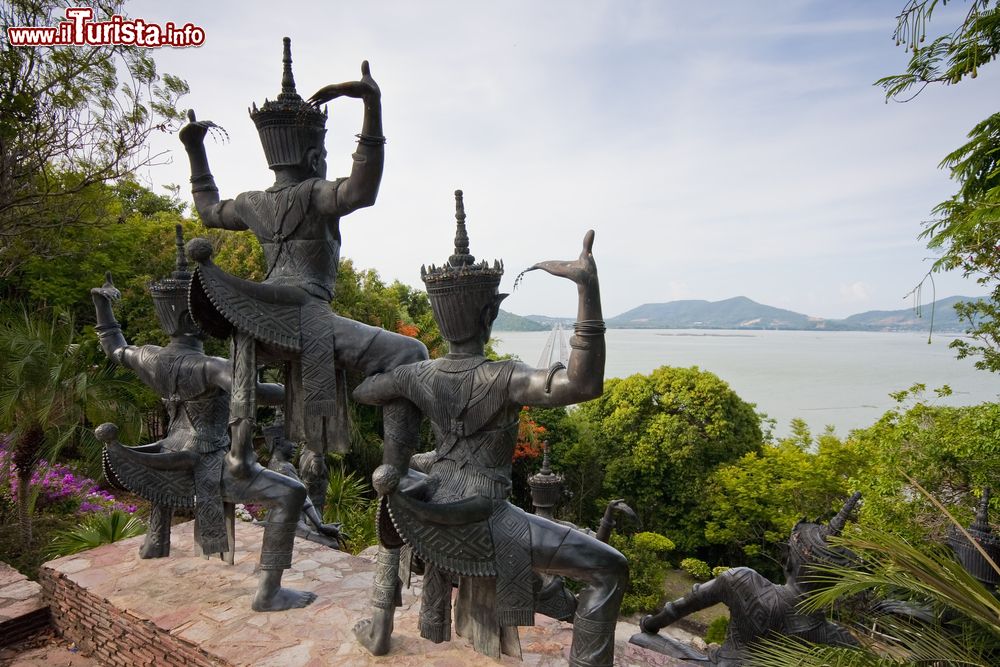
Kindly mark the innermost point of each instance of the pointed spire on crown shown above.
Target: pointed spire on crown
(287, 79)
(982, 522)
(181, 270)
(462, 256)
(838, 522)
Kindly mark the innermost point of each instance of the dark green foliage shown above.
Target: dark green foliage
(95, 530)
(647, 564)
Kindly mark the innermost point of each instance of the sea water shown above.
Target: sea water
(841, 378)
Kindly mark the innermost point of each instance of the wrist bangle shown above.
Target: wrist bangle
(586, 328)
(370, 139)
(203, 183)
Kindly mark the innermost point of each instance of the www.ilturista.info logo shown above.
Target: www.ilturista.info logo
(79, 29)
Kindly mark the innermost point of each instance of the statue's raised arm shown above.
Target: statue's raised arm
(583, 379)
(361, 188)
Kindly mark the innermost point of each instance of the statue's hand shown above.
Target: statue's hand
(107, 290)
(365, 89)
(333, 530)
(193, 134)
(621, 506)
(582, 271)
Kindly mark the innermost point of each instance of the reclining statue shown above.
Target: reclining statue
(186, 468)
(310, 526)
(287, 318)
(759, 608)
(456, 516)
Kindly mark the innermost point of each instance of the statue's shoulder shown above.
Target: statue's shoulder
(745, 577)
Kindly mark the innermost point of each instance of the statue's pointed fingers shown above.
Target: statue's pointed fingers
(365, 69)
(191, 118)
(588, 241)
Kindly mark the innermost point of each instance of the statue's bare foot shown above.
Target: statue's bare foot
(152, 550)
(281, 599)
(373, 636)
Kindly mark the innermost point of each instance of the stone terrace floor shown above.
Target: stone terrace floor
(205, 604)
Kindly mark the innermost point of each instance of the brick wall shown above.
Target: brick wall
(113, 636)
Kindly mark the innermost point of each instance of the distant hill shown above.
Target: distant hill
(735, 313)
(743, 313)
(510, 322)
(945, 318)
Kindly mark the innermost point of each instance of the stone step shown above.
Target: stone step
(23, 612)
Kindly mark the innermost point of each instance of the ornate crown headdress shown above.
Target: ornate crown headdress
(808, 539)
(459, 290)
(983, 534)
(170, 295)
(288, 126)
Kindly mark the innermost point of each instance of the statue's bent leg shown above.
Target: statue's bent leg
(374, 633)
(157, 542)
(561, 550)
(284, 497)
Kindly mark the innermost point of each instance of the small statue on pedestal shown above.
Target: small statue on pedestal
(757, 606)
(456, 517)
(186, 468)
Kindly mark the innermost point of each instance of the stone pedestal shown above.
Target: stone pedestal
(184, 610)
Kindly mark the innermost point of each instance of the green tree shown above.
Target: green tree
(966, 227)
(754, 502)
(659, 437)
(953, 452)
(48, 390)
(71, 117)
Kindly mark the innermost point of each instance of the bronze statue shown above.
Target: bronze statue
(287, 318)
(187, 468)
(758, 607)
(456, 517)
(310, 526)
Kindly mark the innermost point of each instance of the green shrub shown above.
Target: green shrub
(95, 530)
(646, 554)
(716, 633)
(698, 569)
(719, 569)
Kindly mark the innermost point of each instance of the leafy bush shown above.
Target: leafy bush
(698, 569)
(349, 503)
(646, 554)
(719, 569)
(95, 530)
(716, 633)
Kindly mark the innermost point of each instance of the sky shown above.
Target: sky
(717, 149)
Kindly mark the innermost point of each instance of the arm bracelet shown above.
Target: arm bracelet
(370, 140)
(203, 183)
(585, 328)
